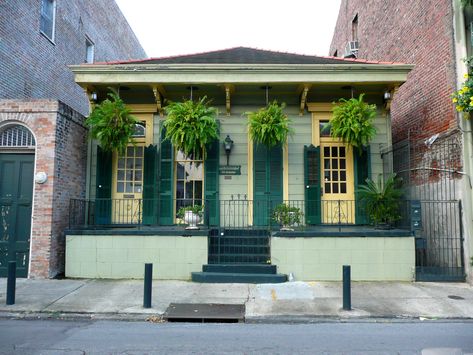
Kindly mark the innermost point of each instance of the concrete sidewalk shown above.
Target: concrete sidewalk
(291, 301)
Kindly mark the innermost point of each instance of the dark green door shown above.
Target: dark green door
(312, 184)
(268, 183)
(16, 190)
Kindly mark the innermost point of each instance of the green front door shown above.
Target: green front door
(16, 190)
(268, 183)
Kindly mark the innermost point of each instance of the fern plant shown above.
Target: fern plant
(382, 201)
(191, 126)
(111, 124)
(466, 3)
(270, 125)
(352, 122)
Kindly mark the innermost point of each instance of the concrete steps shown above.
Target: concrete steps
(238, 273)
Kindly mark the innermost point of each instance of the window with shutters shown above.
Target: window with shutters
(48, 18)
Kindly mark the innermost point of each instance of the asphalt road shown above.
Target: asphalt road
(114, 337)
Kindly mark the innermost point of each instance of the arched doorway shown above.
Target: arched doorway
(17, 148)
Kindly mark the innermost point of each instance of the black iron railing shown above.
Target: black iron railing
(237, 214)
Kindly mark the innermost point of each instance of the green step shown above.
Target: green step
(223, 277)
(241, 268)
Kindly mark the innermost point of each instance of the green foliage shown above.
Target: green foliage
(190, 126)
(196, 209)
(269, 125)
(111, 124)
(287, 215)
(463, 98)
(466, 3)
(352, 121)
(382, 201)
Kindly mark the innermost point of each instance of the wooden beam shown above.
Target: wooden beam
(159, 100)
(304, 93)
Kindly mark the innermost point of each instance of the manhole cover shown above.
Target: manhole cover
(453, 297)
(205, 312)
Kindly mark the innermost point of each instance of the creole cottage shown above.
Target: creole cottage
(247, 191)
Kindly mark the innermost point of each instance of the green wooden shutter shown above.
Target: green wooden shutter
(312, 185)
(150, 185)
(362, 169)
(166, 182)
(212, 203)
(268, 182)
(103, 194)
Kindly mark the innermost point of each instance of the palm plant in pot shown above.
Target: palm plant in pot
(192, 215)
(352, 122)
(287, 216)
(191, 126)
(382, 201)
(269, 126)
(111, 124)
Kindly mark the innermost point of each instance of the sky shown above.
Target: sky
(172, 27)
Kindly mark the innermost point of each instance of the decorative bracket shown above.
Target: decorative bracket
(305, 91)
(229, 89)
(159, 99)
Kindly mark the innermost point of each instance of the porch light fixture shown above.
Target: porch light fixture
(387, 95)
(228, 145)
(93, 96)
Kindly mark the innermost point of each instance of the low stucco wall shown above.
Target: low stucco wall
(322, 258)
(124, 256)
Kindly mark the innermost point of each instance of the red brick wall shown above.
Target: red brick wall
(61, 154)
(413, 32)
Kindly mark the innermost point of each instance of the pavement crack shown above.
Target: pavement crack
(67, 294)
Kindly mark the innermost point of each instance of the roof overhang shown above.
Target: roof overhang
(87, 74)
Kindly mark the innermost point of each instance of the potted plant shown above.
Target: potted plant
(269, 125)
(382, 201)
(191, 126)
(287, 216)
(352, 122)
(192, 215)
(111, 124)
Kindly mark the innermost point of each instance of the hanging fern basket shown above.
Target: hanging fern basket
(269, 126)
(111, 124)
(191, 126)
(352, 122)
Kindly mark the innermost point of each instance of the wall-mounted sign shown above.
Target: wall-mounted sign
(229, 170)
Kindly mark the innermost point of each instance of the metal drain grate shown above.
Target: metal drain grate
(205, 313)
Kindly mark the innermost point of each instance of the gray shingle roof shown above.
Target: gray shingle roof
(244, 55)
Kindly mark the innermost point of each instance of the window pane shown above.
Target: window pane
(327, 176)
(120, 187)
(324, 128)
(334, 163)
(342, 152)
(180, 171)
(327, 163)
(129, 175)
(138, 187)
(128, 187)
(326, 151)
(334, 151)
(129, 163)
(198, 190)
(342, 164)
(189, 190)
(327, 188)
(139, 151)
(180, 189)
(130, 151)
(138, 163)
(121, 175)
(334, 175)
(343, 176)
(335, 188)
(138, 175)
(121, 163)
(343, 188)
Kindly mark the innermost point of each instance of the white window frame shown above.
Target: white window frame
(53, 30)
(89, 44)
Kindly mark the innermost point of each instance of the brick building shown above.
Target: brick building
(435, 36)
(43, 146)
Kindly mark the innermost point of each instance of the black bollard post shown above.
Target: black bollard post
(148, 285)
(11, 282)
(346, 288)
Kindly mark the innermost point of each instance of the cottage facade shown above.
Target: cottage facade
(144, 188)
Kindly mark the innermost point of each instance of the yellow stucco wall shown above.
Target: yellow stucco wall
(321, 259)
(124, 256)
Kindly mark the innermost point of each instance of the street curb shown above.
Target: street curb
(287, 319)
